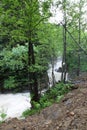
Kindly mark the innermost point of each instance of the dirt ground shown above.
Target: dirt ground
(69, 114)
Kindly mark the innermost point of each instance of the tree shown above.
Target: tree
(74, 29)
(50, 45)
(78, 24)
(64, 66)
(13, 68)
(79, 34)
(21, 19)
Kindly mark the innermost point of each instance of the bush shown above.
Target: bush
(55, 94)
(28, 112)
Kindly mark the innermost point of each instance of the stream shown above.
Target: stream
(13, 105)
(57, 75)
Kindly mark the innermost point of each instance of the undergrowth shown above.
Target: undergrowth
(2, 116)
(53, 95)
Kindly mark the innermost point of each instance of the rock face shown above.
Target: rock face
(69, 114)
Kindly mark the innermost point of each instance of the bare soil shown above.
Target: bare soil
(69, 114)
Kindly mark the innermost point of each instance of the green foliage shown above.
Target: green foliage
(59, 98)
(45, 8)
(36, 105)
(14, 58)
(55, 94)
(10, 83)
(50, 42)
(18, 20)
(72, 61)
(13, 64)
(2, 116)
(84, 67)
(26, 22)
(29, 112)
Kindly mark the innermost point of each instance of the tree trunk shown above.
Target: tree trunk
(78, 68)
(62, 67)
(53, 76)
(1, 84)
(32, 75)
(63, 75)
(64, 64)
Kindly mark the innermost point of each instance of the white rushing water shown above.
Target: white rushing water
(14, 104)
(57, 75)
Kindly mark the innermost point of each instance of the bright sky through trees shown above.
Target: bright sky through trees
(58, 15)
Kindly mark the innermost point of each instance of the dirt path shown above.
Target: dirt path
(69, 114)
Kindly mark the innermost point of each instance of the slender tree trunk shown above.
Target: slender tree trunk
(53, 76)
(2, 84)
(63, 76)
(33, 83)
(64, 65)
(78, 68)
(62, 71)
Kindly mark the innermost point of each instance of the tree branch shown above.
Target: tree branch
(40, 21)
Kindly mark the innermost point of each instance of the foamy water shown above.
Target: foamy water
(14, 104)
(56, 74)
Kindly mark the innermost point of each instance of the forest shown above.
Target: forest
(30, 42)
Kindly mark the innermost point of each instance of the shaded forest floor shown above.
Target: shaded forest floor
(69, 114)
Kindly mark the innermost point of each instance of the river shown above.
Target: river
(14, 104)
(57, 74)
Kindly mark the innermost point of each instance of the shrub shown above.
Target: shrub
(55, 94)
(28, 112)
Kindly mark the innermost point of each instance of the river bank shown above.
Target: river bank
(13, 105)
(69, 114)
